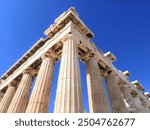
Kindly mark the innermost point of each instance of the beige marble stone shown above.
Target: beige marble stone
(1, 96)
(116, 99)
(40, 97)
(96, 94)
(7, 98)
(139, 106)
(69, 96)
(128, 97)
(146, 105)
(21, 97)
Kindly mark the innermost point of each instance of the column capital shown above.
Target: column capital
(71, 36)
(107, 73)
(124, 86)
(87, 56)
(47, 55)
(30, 71)
(134, 93)
(12, 84)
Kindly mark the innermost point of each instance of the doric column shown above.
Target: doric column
(69, 96)
(128, 97)
(96, 94)
(1, 95)
(21, 97)
(7, 97)
(138, 103)
(116, 99)
(40, 97)
(146, 105)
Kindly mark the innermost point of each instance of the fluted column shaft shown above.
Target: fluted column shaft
(146, 105)
(21, 97)
(40, 97)
(127, 96)
(69, 95)
(96, 94)
(116, 99)
(7, 98)
(1, 96)
(138, 103)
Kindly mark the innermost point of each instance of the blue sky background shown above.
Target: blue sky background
(120, 26)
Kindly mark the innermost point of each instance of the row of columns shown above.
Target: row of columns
(69, 93)
(19, 101)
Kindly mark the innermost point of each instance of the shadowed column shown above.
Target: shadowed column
(127, 96)
(138, 103)
(69, 95)
(7, 98)
(21, 97)
(1, 95)
(116, 99)
(40, 97)
(96, 94)
(146, 105)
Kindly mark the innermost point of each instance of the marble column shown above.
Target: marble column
(7, 98)
(40, 97)
(21, 97)
(116, 99)
(138, 103)
(96, 94)
(69, 95)
(128, 97)
(146, 105)
(1, 96)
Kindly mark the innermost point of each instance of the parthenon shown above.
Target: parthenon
(69, 41)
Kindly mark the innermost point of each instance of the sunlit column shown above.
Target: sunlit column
(128, 97)
(21, 97)
(7, 97)
(116, 99)
(138, 103)
(69, 96)
(96, 94)
(146, 105)
(40, 97)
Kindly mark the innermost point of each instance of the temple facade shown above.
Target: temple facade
(69, 41)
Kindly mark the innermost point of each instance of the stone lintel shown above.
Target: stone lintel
(25, 57)
(86, 56)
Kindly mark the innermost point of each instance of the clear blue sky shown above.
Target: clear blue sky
(120, 26)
